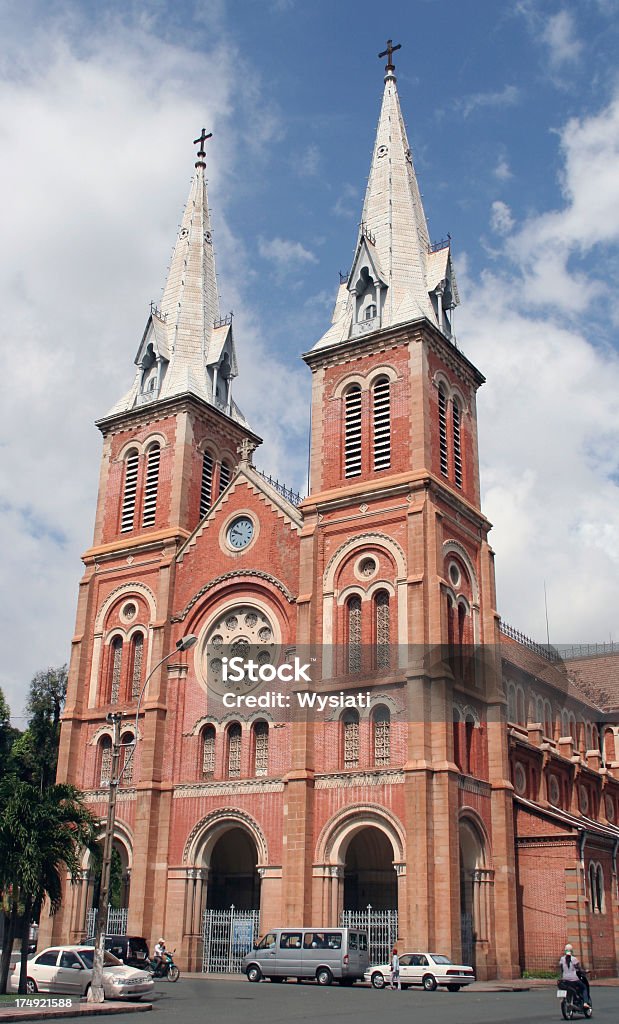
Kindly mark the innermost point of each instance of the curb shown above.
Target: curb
(79, 1010)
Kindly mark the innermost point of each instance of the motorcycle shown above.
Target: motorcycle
(166, 968)
(572, 1001)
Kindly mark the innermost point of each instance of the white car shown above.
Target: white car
(427, 969)
(67, 970)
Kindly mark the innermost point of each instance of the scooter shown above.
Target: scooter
(166, 968)
(572, 1001)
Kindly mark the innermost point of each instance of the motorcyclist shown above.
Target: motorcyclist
(159, 955)
(572, 971)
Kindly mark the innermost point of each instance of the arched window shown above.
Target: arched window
(115, 668)
(457, 738)
(469, 749)
(381, 721)
(382, 629)
(225, 474)
(609, 746)
(153, 458)
(137, 660)
(599, 888)
(350, 738)
(105, 760)
(548, 720)
(442, 428)
(512, 714)
(521, 706)
(132, 461)
(353, 637)
(261, 748)
(596, 888)
(352, 431)
(381, 410)
(128, 757)
(370, 311)
(206, 489)
(208, 752)
(456, 422)
(234, 751)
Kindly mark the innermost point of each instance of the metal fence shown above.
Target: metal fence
(227, 936)
(116, 922)
(382, 929)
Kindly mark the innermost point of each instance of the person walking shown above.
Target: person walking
(395, 970)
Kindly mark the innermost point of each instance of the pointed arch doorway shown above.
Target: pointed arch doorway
(476, 879)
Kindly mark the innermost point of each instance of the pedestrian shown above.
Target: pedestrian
(395, 970)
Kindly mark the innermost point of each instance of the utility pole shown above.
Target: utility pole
(95, 993)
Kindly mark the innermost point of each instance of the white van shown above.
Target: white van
(320, 953)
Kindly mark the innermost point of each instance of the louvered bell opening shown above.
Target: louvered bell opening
(352, 432)
(152, 483)
(382, 425)
(442, 429)
(225, 474)
(457, 446)
(206, 490)
(131, 485)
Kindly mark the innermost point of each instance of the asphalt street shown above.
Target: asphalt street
(197, 1001)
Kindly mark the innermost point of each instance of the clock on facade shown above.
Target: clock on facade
(240, 532)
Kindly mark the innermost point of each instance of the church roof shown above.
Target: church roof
(187, 347)
(393, 242)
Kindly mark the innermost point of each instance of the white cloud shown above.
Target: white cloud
(347, 203)
(546, 246)
(307, 164)
(502, 170)
(563, 47)
(501, 219)
(549, 417)
(285, 254)
(509, 96)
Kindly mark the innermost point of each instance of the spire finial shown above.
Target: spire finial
(388, 53)
(201, 140)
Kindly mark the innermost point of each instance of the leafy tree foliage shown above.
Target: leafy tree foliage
(8, 735)
(35, 752)
(42, 836)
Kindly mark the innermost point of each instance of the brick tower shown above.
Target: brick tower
(395, 553)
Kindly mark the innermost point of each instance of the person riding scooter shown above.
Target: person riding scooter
(572, 972)
(159, 955)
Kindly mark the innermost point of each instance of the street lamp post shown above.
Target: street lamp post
(95, 992)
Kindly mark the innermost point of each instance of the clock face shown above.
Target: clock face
(240, 532)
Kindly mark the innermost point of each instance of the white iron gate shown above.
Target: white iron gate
(116, 922)
(382, 929)
(227, 936)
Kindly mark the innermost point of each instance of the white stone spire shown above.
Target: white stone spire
(187, 347)
(397, 275)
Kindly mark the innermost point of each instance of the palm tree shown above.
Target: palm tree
(42, 836)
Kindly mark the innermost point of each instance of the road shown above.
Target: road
(198, 1001)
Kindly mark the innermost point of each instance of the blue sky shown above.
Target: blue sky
(513, 116)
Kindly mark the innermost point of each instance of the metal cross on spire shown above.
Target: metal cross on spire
(202, 139)
(388, 53)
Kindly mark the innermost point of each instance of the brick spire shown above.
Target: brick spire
(393, 249)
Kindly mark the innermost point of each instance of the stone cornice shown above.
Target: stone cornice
(352, 780)
(227, 787)
(143, 415)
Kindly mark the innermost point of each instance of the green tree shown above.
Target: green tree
(35, 752)
(42, 836)
(8, 735)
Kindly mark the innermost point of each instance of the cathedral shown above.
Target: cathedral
(459, 792)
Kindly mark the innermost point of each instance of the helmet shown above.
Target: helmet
(569, 948)
(162, 941)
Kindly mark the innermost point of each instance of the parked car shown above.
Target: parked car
(427, 969)
(68, 970)
(131, 949)
(323, 954)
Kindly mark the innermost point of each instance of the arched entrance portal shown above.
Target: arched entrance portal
(475, 879)
(233, 877)
(369, 874)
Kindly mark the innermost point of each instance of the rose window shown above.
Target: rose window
(244, 632)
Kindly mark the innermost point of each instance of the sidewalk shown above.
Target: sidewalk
(81, 1009)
